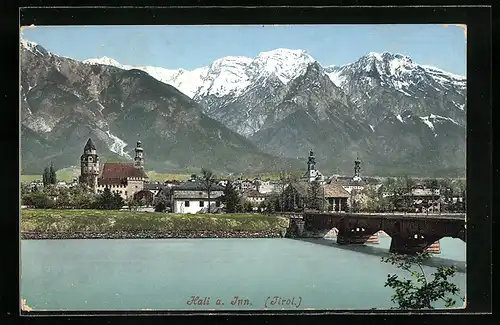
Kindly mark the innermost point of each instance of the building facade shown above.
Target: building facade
(125, 179)
(312, 173)
(192, 197)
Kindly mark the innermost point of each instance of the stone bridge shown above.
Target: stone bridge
(410, 233)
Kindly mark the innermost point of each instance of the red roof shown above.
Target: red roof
(121, 170)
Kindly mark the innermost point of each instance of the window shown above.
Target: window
(217, 204)
(201, 204)
(125, 192)
(186, 204)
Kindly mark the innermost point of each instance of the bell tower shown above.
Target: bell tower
(311, 161)
(89, 165)
(357, 168)
(139, 156)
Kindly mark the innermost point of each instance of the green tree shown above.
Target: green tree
(208, 179)
(82, 197)
(248, 206)
(231, 198)
(105, 200)
(314, 195)
(117, 202)
(63, 198)
(52, 174)
(46, 177)
(133, 204)
(162, 201)
(283, 181)
(37, 200)
(160, 206)
(420, 292)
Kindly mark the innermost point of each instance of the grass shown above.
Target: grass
(109, 221)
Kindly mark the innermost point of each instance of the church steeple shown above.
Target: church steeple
(89, 147)
(357, 168)
(311, 162)
(139, 156)
(89, 165)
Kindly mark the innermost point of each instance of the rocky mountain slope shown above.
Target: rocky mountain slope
(64, 102)
(397, 115)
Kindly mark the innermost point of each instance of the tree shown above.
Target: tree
(108, 201)
(63, 198)
(207, 178)
(162, 200)
(37, 200)
(420, 293)
(82, 197)
(160, 206)
(46, 176)
(283, 182)
(314, 195)
(408, 185)
(117, 202)
(133, 203)
(231, 198)
(52, 174)
(248, 206)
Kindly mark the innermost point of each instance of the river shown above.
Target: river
(166, 274)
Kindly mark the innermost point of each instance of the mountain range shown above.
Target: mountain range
(244, 114)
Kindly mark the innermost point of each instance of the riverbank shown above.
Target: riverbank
(149, 235)
(100, 224)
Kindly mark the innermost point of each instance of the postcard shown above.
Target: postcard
(243, 167)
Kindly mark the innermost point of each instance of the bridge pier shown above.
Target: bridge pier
(411, 245)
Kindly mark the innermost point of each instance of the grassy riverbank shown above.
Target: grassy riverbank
(102, 222)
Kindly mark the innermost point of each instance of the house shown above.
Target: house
(337, 197)
(245, 185)
(192, 197)
(267, 187)
(424, 200)
(125, 179)
(254, 196)
(331, 197)
(154, 188)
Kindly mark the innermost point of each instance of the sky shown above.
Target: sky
(190, 47)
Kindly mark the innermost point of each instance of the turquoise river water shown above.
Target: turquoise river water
(170, 274)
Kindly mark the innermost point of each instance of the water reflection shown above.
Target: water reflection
(381, 251)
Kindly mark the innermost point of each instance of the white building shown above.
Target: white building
(266, 187)
(312, 173)
(192, 197)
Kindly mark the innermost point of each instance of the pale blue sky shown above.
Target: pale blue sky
(190, 47)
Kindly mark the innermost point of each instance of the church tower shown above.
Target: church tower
(312, 173)
(311, 162)
(89, 164)
(357, 168)
(139, 156)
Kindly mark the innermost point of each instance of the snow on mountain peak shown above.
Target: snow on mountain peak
(28, 44)
(284, 63)
(33, 47)
(105, 61)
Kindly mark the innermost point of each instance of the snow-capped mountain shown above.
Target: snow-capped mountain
(391, 111)
(64, 102)
(386, 83)
(230, 75)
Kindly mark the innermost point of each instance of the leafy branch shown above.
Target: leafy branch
(420, 293)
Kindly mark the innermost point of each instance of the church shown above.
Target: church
(125, 179)
(312, 173)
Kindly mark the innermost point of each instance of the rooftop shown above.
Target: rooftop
(121, 171)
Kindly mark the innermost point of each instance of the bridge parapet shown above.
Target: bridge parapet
(410, 232)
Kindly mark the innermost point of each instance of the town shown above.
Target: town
(126, 186)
